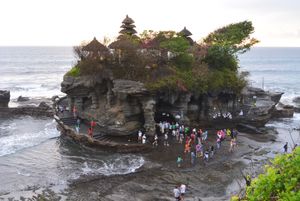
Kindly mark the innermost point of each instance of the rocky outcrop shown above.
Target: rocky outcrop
(258, 106)
(283, 111)
(296, 102)
(4, 98)
(121, 107)
(22, 99)
(43, 109)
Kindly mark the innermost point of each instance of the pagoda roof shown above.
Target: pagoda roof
(128, 31)
(126, 26)
(95, 46)
(128, 20)
(185, 32)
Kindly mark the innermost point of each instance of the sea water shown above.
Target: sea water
(33, 156)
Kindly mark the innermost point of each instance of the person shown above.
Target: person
(204, 136)
(228, 132)
(166, 143)
(155, 143)
(232, 145)
(218, 142)
(179, 161)
(90, 132)
(144, 138)
(285, 147)
(74, 112)
(193, 156)
(235, 133)
(187, 148)
(181, 137)
(77, 128)
(182, 191)
(247, 179)
(198, 150)
(93, 124)
(78, 122)
(140, 134)
(176, 192)
(241, 113)
(177, 135)
(212, 149)
(206, 155)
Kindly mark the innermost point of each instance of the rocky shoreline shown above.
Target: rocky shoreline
(42, 108)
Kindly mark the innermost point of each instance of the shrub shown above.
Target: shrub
(74, 72)
(281, 180)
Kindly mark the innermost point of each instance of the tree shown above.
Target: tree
(233, 37)
(225, 43)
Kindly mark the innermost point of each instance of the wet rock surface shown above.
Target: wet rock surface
(4, 98)
(283, 111)
(22, 99)
(215, 180)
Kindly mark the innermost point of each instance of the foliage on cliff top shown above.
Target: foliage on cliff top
(281, 180)
(169, 60)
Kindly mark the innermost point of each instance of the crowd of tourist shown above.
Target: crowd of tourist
(194, 140)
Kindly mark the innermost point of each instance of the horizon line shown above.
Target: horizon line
(77, 45)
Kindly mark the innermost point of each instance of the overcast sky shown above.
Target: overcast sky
(68, 22)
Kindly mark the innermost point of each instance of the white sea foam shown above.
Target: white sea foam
(125, 164)
(24, 133)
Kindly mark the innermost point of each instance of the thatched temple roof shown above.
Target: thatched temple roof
(95, 46)
(128, 20)
(123, 43)
(185, 32)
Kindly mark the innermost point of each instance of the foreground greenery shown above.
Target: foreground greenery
(211, 65)
(281, 180)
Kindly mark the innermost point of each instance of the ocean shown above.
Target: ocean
(33, 156)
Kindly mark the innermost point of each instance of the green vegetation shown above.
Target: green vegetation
(281, 180)
(225, 43)
(170, 60)
(74, 72)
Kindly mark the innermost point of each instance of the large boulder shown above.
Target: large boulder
(258, 106)
(297, 100)
(22, 99)
(283, 111)
(4, 98)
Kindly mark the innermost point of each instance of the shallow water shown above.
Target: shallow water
(32, 155)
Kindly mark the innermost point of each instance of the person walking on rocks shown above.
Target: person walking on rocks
(155, 142)
(193, 158)
(144, 138)
(285, 147)
(182, 191)
(93, 124)
(179, 161)
(206, 155)
(166, 143)
(90, 132)
(212, 150)
(74, 112)
(232, 145)
(176, 192)
(140, 134)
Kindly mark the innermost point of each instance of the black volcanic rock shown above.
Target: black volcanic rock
(4, 98)
(22, 99)
(122, 107)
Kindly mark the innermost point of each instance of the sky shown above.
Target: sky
(69, 22)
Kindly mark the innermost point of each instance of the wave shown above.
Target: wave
(24, 133)
(116, 166)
